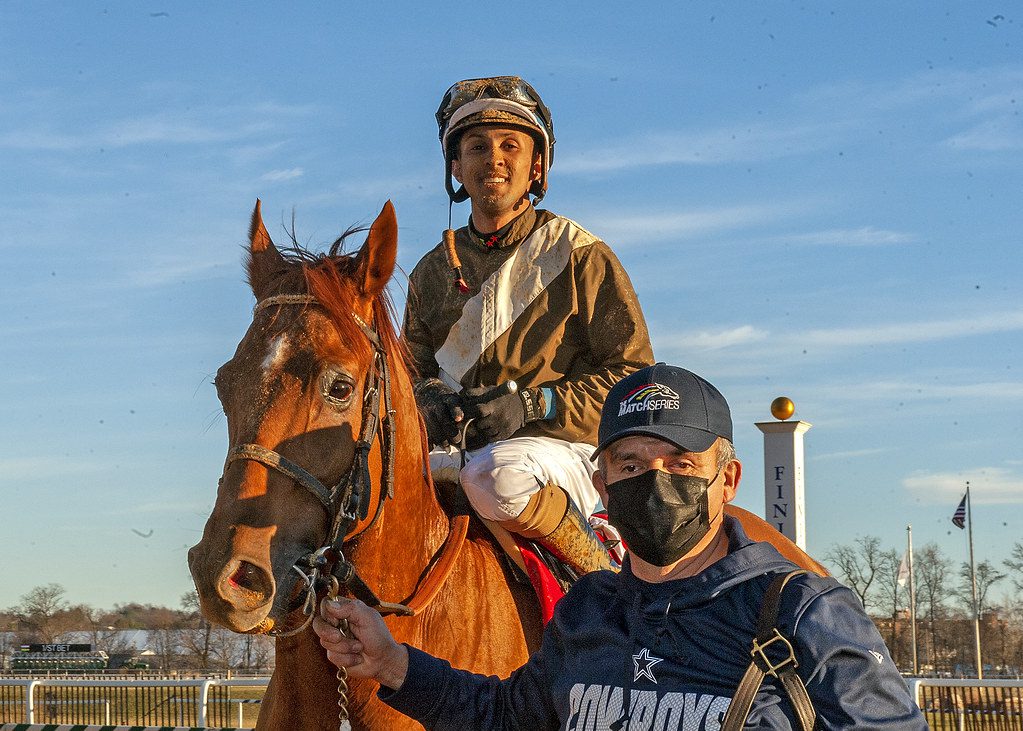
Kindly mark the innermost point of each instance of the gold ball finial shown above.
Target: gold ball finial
(782, 408)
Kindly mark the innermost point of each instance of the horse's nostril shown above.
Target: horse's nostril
(246, 576)
(250, 584)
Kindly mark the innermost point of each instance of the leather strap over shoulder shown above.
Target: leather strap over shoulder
(762, 666)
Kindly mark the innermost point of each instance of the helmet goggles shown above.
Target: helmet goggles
(509, 88)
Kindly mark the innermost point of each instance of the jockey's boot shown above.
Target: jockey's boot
(552, 519)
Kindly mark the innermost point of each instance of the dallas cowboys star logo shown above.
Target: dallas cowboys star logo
(644, 663)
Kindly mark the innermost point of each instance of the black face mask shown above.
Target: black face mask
(661, 516)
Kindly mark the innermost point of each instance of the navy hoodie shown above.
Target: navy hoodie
(621, 653)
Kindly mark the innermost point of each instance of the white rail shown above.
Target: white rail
(1007, 705)
(34, 706)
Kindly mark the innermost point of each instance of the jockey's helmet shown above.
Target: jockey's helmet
(500, 100)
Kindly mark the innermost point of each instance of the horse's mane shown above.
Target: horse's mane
(334, 279)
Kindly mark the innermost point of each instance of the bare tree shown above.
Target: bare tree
(889, 594)
(1011, 641)
(859, 564)
(987, 576)
(932, 568)
(39, 611)
(197, 640)
(259, 651)
(1015, 563)
(167, 646)
(226, 649)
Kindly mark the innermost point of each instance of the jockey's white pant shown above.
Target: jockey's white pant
(500, 478)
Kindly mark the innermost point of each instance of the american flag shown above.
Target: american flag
(959, 517)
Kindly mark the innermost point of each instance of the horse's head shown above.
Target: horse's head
(294, 391)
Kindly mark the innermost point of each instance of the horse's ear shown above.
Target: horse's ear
(264, 258)
(378, 254)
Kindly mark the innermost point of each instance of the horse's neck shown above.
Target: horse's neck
(393, 554)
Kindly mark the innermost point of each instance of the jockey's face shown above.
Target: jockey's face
(497, 165)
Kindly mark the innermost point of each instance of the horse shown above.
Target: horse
(318, 393)
(319, 367)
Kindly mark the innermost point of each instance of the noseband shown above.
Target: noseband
(348, 502)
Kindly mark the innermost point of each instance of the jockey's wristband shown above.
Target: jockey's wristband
(552, 405)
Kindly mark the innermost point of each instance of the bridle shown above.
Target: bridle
(347, 503)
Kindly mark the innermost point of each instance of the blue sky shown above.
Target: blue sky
(820, 200)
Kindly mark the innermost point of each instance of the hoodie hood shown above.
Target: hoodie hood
(746, 559)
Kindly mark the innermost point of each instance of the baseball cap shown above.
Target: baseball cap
(666, 402)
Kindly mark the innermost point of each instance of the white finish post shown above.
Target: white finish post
(784, 500)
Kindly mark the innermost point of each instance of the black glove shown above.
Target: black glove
(498, 417)
(441, 409)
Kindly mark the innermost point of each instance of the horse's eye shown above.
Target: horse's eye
(340, 390)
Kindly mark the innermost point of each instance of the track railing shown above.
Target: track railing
(205, 703)
(961, 704)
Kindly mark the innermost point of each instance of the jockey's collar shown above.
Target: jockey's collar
(502, 237)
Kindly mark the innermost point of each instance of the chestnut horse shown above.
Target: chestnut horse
(317, 394)
(296, 388)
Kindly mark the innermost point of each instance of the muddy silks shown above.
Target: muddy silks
(507, 293)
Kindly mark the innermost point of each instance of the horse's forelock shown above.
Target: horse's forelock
(333, 282)
(333, 279)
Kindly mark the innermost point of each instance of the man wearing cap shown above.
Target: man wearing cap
(665, 643)
(518, 294)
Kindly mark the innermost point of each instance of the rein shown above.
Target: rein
(348, 502)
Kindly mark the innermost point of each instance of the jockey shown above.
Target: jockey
(518, 294)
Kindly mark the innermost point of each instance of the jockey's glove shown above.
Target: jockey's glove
(441, 409)
(494, 419)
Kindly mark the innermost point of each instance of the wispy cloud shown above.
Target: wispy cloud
(154, 130)
(739, 143)
(738, 336)
(277, 176)
(200, 126)
(17, 469)
(864, 236)
(851, 453)
(409, 184)
(988, 486)
(166, 506)
(831, 339)
(913, 332)
(1000, 391)
(827, 116)
(626, 229)
(172, 129)
(161, 270)
(1002, 133)
(977, 92)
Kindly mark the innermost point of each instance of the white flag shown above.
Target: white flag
(903, 575)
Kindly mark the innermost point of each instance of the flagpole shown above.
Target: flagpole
(912, 597)
(973, 584)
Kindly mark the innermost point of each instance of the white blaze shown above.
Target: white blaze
(276, 354)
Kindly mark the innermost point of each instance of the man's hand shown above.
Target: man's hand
(442, 411)
(370, 651)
